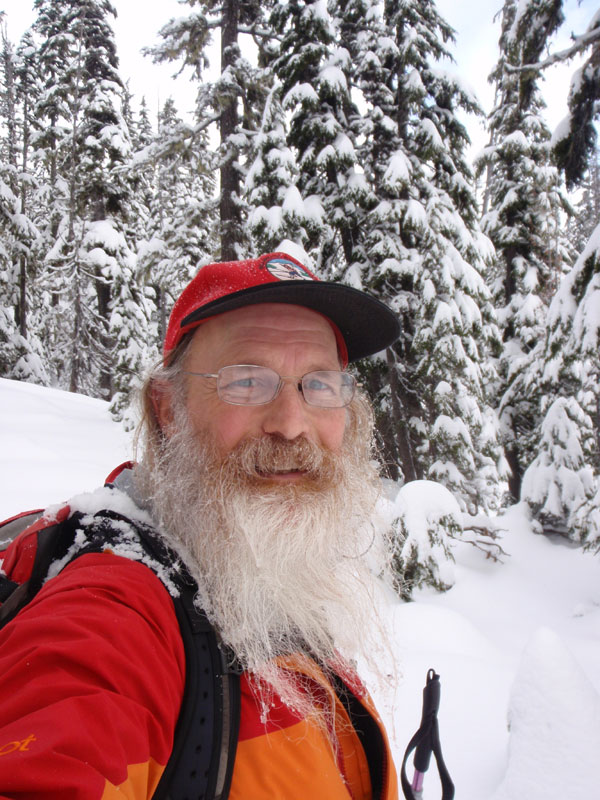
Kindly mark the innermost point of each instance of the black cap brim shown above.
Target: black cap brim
(367, 325)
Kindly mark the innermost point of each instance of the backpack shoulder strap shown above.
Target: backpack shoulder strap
(201, 762)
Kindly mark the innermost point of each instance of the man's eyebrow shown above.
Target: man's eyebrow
(316, 367)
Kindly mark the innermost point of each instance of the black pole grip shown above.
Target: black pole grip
(427, 741)
(431, 704)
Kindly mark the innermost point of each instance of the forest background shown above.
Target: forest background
(336, 131)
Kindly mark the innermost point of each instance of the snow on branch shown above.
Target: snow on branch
(263, 33)
(174, 143)
(483, 535)
(579, 43)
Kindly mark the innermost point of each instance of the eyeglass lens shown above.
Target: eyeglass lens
(244, 384)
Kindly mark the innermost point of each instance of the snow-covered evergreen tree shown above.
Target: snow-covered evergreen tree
(570, 432)
(560, 480)
(21, 349)
(27, 87)
(132, 307)
(14, 347)
(276, 209)
(575, 139)
(142, 170)
(524, 221)
(182, 223)
(425, 516)
(313, 69)
(421, 250)
(88, 142)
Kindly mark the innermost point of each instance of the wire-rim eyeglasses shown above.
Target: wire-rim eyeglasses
(252, 385)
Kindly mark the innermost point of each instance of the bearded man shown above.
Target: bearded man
(256, 470)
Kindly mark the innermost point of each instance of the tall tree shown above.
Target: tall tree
(313, 69)
(88, 142)
(27, 88)
(562, 485)
(420, 249)
(526, 204)
(233, 102)
(181, 230)
(21, 356)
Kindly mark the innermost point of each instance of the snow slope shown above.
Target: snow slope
(54, 445)
(518, 641)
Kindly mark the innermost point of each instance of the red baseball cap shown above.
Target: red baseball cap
(362, 324)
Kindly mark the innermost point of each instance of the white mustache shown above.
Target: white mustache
(272, 454)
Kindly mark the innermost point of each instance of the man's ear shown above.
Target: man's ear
(161, 395)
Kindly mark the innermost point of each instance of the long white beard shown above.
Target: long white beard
(279, 566)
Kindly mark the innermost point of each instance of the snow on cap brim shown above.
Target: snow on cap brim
(363, 325)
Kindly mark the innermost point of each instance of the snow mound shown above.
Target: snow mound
(554, 721)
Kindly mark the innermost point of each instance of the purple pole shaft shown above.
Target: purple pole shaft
(417, 784)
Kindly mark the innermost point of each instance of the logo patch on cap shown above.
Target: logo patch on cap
(285, 270)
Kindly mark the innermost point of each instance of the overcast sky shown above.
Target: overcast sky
(475, 52)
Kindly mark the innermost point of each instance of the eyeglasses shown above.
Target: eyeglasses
(249, 385)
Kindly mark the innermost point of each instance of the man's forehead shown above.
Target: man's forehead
(263, 335)
(269, 322)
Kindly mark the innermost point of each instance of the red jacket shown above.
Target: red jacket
(93, 673)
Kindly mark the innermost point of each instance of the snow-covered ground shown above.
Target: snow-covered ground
(518, 641)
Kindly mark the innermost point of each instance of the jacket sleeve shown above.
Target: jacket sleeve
(92, 676)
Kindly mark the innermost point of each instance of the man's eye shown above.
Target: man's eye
(243, 383)
(316, 385)
(248, 385)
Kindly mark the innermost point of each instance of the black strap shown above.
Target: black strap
(7, 587)
(201, 762)
(368, 733)
(427, 741)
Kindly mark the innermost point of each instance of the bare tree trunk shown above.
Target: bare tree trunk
(11, 152)
(400, 424)
(230, 178)
(104, 297)
(77, 344)
(23, 259)
(515, 478)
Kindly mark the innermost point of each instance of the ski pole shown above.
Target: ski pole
(425, 742)
(424, 749)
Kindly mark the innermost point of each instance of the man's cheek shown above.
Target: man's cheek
(232, 427)
(334, 434)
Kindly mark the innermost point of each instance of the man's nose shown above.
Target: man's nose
(287, 414)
